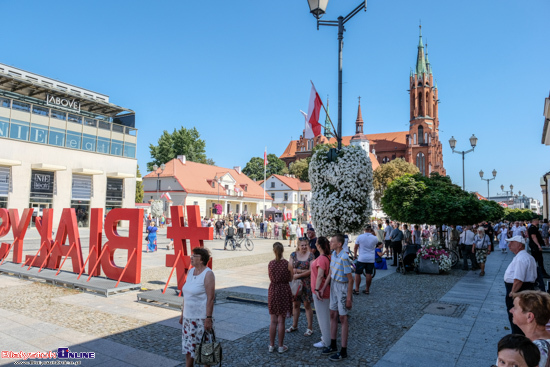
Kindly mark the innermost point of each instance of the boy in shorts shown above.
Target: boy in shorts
(341, 288)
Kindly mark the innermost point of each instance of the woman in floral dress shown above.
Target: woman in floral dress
(276, 230)
(299, 265)
(279, 299)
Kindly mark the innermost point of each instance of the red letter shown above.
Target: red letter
(44, 227)
(4, 230)
(96, 231)
(67, 228)
(195, 233)
(19, 229)
(115, 241)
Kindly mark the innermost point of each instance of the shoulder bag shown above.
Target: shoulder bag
(209, 353)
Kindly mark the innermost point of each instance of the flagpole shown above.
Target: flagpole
(265, 171)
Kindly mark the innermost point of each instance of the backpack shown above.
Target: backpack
(230, 231)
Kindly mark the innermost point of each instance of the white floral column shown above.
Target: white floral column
(341, 191)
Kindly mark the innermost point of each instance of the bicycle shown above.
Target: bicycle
(234, 243)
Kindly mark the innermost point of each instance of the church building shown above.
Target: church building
(419, 146)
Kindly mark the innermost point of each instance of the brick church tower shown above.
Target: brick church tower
(423, 146)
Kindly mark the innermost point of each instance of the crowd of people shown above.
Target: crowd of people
(324, 269)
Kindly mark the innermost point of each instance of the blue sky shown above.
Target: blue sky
(239, 71)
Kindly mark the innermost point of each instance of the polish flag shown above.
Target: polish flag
(166, 195)
(313, 127)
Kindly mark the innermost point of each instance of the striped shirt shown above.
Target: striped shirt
(340, 266)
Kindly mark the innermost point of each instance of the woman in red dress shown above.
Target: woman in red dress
(279, 299)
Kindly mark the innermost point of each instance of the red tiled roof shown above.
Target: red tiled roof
(196, 178)
(383, 142)
(295, 184)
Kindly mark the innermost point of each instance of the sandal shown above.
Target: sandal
(366, 292)
(308, 332)
(291, 329)
(355, 293)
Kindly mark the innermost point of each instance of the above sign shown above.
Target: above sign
(63, 102)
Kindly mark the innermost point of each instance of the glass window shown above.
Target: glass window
(88, 142)
(104, 125)
(4, 182)
(19, 130)
(59, 115)
(103, 145)
(118, 128)
(129, 150)
(73, 140)
(74, 118)
(90, 122)
(39, 134)
(116, 147)
(40, 111)
(4, 102)
(3, 203)
(272, 185)
(115, 187)
(21, 106)
(42, 184)
(4, 127)
(56, 137)
(273, 196)
(286, 196)
(82, 209)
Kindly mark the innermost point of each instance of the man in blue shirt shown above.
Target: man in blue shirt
(396, 237)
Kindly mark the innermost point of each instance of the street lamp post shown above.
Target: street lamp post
(473, 143)
(318, 9)
(488, 179)
(162, 167)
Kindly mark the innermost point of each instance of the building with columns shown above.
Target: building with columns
(419, 145)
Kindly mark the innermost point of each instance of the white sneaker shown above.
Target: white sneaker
(319, 344)
(271, 348)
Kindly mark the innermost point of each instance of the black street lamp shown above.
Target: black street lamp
(473, 143)
(488, 179)
(155, 168)
(318, 9)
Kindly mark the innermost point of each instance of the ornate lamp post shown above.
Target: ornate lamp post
(488, 179)
(318, 9)
(162, 167)
(473, 143)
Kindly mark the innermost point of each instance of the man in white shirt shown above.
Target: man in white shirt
(520, 275)
(387, 240)
(366, 244)
(247, 227)
(468, 240)
(292, 228)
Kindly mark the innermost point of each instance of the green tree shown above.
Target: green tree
(386, 173)
(184, 141)
(139, 187)
(513, 215)
(433, 200)
(493, 211)
(300, 169)
(255, 167)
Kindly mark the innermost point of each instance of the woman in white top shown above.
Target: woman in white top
(531, 312)
(198, 303)
(482, 248)
(502, 236)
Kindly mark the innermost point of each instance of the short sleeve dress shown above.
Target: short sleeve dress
(279, 298)
(306, 295)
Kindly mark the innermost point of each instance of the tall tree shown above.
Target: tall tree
(300, 169)
(386, 173)
(255, 167)
(180, 142)
(139, 187)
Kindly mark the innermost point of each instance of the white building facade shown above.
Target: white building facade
(63, 147)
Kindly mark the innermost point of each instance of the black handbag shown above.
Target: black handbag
(209, 353)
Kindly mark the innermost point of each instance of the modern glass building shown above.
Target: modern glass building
(63, 146)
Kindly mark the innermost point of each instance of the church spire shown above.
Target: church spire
(428, 66)
(359, 121)
(420, 60)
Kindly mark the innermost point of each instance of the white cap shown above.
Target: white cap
(517, 239)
